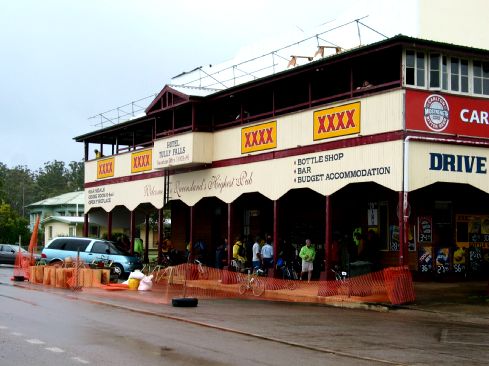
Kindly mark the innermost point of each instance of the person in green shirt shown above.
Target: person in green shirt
(307, 254)
(138, 246)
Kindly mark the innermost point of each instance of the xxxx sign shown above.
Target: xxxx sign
(105, 168)
(259, 137)
(141, 161)
(337, 121)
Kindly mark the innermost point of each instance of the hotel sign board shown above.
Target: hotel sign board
(183, 150)
(337, 121)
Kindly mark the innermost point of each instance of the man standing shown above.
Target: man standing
(256, 258)
(267, 254)
(307, 254)
(239, 254)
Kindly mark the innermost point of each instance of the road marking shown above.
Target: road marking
(34, 341)
(17, 334)
(54, 349)
(81, 360)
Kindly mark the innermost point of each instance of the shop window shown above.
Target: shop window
(481, 77)
(442, 221)
(384, 226)
(94, 231)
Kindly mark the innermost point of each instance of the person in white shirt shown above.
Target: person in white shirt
(256, 258)
(267, 254)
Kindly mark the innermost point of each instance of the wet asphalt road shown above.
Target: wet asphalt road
(46, 328)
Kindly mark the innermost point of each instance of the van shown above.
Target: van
(91, 250)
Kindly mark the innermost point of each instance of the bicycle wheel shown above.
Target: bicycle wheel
(257, 286)
(242, 288)
(290, 285)
(203, 273)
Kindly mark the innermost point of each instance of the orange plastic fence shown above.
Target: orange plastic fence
(391, 285)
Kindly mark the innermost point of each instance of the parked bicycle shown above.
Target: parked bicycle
(253, 283)
(339, 275)
(202, 270)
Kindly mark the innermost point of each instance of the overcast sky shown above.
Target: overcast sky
(65, 61)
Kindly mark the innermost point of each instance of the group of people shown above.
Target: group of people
(261, 257)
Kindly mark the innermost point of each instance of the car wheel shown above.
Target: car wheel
(118, 269)
(56, 263)
(185, 302)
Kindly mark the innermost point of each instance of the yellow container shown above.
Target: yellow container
(133, 284)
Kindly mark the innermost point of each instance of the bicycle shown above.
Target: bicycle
(253, 283)
(339, 276)
(289, 275)
(202, 270)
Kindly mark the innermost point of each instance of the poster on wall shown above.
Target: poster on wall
(442, 261)
(394, 238)
(425, 229)
(411, 241)
(459, 260)
(425, 259)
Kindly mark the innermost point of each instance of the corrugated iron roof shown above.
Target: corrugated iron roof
(194, 91)
(65, 219)
(72, 198)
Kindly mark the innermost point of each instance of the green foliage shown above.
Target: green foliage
(12, 225)
(19, 186)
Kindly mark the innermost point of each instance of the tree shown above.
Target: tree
(76, 176)
(18, 188)
(12, 225)
(52, 180)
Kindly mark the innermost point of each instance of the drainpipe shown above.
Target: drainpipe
(404, 211)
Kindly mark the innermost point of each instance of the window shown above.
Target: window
(100, 247)
(481, 77)
(72, 231)
(415, 68)
(454, 73)
(50, 232)
(435, 70)
(444, 73)
(464, 76)
(76, 244)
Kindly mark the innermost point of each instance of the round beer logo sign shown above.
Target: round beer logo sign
(436, 113)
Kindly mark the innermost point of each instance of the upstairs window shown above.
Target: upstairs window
(415, 68)
(481, 77)
(435, 70)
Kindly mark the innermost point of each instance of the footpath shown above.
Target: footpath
(463, 301)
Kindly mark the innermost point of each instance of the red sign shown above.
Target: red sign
(444, 113)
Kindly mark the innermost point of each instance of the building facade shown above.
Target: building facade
(377, 154)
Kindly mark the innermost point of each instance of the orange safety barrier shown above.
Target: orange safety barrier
(391, 285)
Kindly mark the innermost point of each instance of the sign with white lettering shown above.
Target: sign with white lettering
(450, 114)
